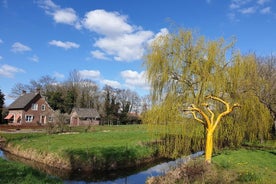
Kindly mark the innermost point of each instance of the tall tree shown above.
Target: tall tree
(266, 90)
(2, 102)
(183, 69)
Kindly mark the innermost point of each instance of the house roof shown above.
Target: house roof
(22, 101)
(86, 112)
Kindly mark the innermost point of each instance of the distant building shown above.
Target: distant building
(84, 116)
(31, 109)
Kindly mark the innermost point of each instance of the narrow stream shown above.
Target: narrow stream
(129, 176)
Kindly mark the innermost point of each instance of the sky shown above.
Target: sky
(105, 40)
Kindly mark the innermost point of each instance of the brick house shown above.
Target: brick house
(31, 109)
(84, 116)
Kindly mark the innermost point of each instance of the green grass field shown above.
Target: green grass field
(106, 143)
(254, 166)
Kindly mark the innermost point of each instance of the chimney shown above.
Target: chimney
(23, 92)
(37, 90)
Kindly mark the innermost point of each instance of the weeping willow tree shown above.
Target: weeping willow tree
(183, 69)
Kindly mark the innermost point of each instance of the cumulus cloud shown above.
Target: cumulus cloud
(116, 38)
(99, 54)
(122, 41)
(90, 74)
(126, 47)
(66, 45)
(60, 15)
(9, 71)
(107, 23)
(112, 83)
(134, 79)
(59, 75)
(19, 47)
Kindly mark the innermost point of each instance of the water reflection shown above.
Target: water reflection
(126, 176)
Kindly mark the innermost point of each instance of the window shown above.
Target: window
(34, 107)
(51, 119)
(29, 118)
(43, 107)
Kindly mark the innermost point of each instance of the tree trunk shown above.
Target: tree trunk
(209, 146)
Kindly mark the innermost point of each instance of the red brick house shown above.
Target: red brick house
(31, 109)
(84, 116)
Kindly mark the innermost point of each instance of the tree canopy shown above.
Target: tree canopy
(182, 69)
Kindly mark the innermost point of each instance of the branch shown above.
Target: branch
(193, 109)
(210, 111)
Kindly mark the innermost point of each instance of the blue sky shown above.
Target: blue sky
(105, 40)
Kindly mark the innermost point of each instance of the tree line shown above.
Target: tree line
(116, 106)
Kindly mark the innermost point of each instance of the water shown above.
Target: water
(129, 176)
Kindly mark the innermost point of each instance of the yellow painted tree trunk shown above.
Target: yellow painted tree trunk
(209, 122)
(209, 146)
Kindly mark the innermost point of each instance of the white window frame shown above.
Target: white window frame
(29, 118)
(34, 107)
(43, 107)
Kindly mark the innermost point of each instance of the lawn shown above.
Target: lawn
(255, 166)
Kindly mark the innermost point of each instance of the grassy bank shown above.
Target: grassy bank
(250, 165)
(12, 172)
(101, 147)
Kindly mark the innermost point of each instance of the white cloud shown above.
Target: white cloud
(90, 74)
(261, 2)
(65, 45)
(60, 15)
(249, 10)
(99, 55)
(9, 71)
(107, 23)
(67, 16)
(59, 75)
(266, 10)
(19, 47)
(247, 7)
(34, 58)
(127, 47)
(162, 32)
(5, 3)
(114, 84)
(134, 79)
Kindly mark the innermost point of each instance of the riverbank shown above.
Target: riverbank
(253, 164)
(103, 148)
(12, 172)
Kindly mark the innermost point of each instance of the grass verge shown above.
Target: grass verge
(230, 166)
(13, 172)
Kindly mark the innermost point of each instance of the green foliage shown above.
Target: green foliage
(182, 69)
